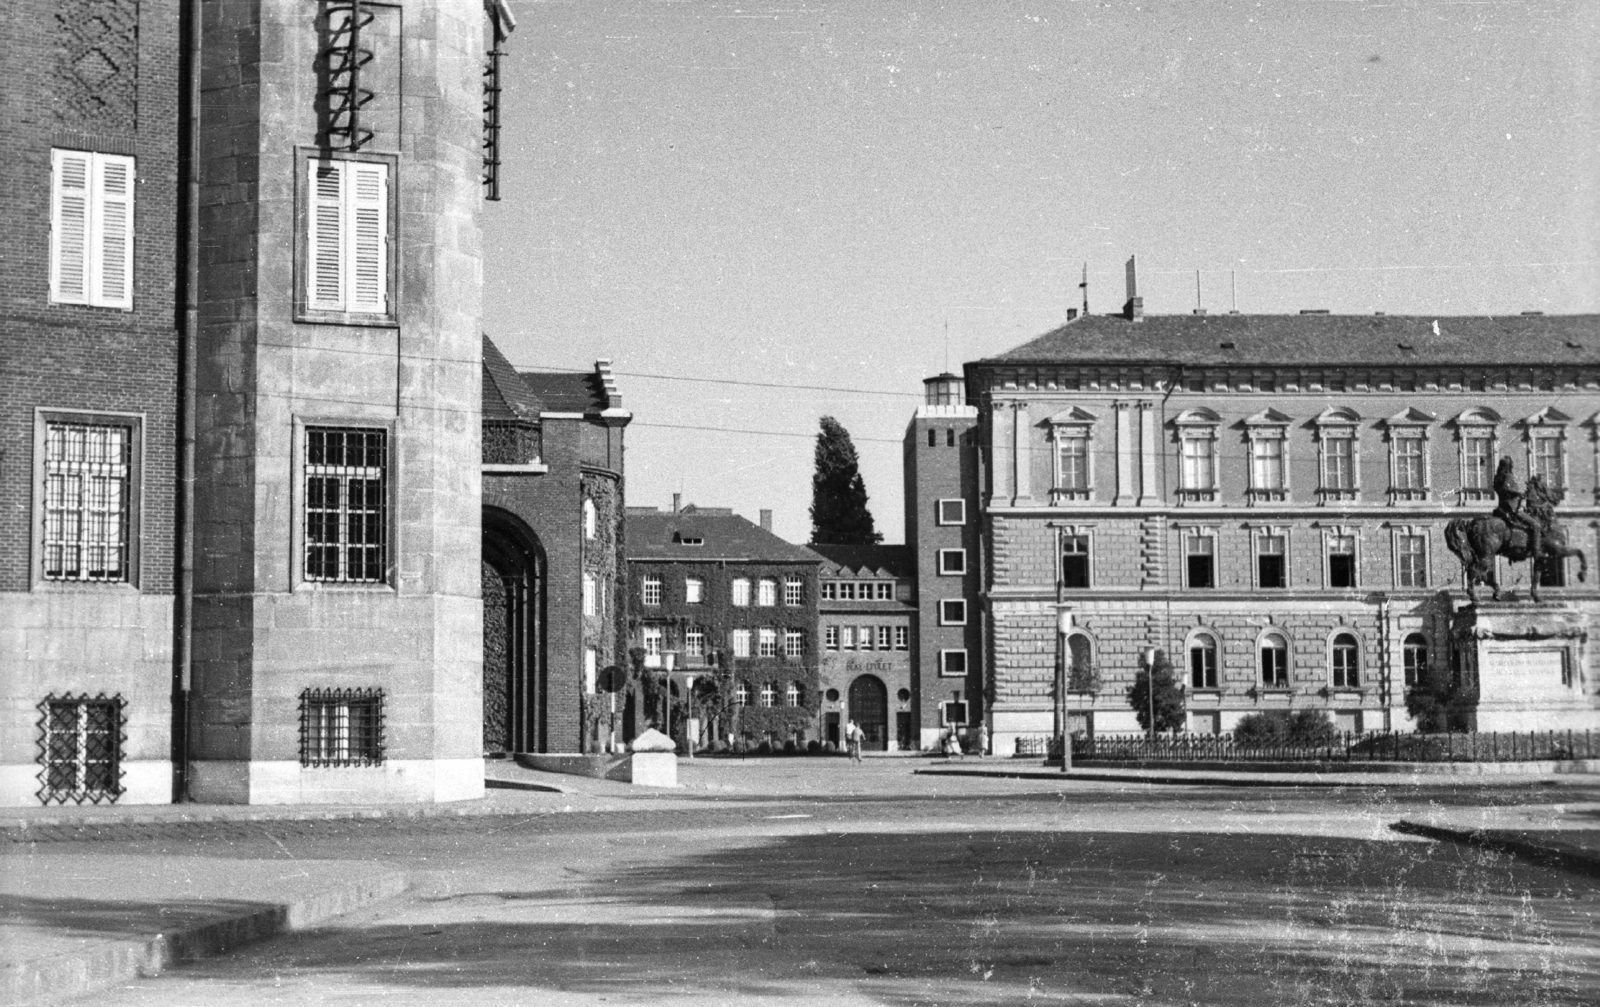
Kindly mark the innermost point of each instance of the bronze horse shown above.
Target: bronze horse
(1477, 541)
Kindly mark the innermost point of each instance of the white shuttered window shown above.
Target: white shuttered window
(347, 258)
(91, 229)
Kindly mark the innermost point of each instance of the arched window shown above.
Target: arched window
(1415, 655)
(591, 521)
(1274, 662)
(1203, 661)
(791, 695)
(741, 693)
(769, 695)
(1346, 655)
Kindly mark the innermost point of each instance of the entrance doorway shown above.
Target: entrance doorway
(513, 636)
(869, 708)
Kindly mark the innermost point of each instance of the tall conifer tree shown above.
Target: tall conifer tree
(839, 514)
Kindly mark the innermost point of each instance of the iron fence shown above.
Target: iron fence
(1368, 746)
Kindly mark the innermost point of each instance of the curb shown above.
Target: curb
(1301, 779)
(1546, 856)
(108, 962)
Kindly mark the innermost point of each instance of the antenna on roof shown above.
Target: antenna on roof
(1084, 286)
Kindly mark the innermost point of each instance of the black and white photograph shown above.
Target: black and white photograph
(901, 503)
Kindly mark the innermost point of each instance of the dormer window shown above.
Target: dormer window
(691, 540)
(1547, 448)
(1072, 431)
(1197, 450)
(1478, 444)
(1269, 463)
(1409, 468)
(1339, 450)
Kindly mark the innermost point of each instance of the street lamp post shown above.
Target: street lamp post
(668, 660)
(1150, 688)
(691, 729)
(1064, 625)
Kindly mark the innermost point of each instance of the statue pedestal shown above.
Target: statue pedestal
(1528, 662)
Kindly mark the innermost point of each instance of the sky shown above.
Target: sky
(828, 202)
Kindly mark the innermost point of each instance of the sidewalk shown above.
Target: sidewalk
(1301, 775)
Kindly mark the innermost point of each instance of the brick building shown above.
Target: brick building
(1264, 498)
(554, 613)
(240, 488)
(868, 617)
(708, 591)
(89, 399)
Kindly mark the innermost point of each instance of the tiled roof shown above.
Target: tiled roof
(869, 560)
(566, 393)
(505, 396)
(1316, 339)
(724, 535)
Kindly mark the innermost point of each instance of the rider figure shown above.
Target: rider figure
(1511, 511)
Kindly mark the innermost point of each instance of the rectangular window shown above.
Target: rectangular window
(1272, 568)
(768, 642)
(1412, 561)
(883, 637)
(91, 229)
(1338, 464)
(1200, 560)
(767, 593)
(952, 662)
(1072, 454)
(741, 643)
(1266, 464)
(1409, 473)
(588, 594)
(952, 612)
(591, 669)
(830, 591)
(793, 643)
(341, 727)
(1342, 561)
(953, 713)
(849, 638)
(1477, 463)
(1274, 667)
(1203, 666)
(347, 237)
(1199, 464)
(830, 637)
(87, 501)
(1075, 561)
(652, 637)
(886, 591)
(694, 642)
(346, 505)
(693, 591)
(952, 562)
(741, 593)
(864, 637)
(80, 752)
(1552, 571)
(794, 591)
(1546, 463)
(847, 590)
(952, 512)
(650, 590)
(902, 637)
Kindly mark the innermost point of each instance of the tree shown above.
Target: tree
(839, 514)
(1169, 697)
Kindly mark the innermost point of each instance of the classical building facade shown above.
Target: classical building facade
(1265, 499)
(868, 619)
(553, 610)
(712, 594)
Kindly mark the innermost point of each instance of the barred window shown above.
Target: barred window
(347, 505)
(87, 500)
(341, 727)
(80, 749)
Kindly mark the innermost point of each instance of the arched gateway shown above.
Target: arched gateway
(869, 708)
(514, 687)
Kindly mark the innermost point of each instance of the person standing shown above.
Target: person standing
(852, 740)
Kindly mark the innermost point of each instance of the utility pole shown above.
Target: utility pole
(1150, 688)
(1064, 733)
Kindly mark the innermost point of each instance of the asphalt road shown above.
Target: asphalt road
(875, 889)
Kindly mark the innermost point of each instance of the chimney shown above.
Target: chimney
(1134, 309)
(1072, 313)
(677, 502)
(766, 520)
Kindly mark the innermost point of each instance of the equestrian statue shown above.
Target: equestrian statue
(1522, 528)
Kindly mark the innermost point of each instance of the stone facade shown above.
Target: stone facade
(1265, 499)
(90, 77)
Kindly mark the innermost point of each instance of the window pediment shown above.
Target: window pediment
(1411, 416)
(1073, 417)
(1197, 416)
(1549, 416)
(1477, 416)
(1337, 416)
(1269, 417)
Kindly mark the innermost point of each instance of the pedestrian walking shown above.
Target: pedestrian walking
(852, 740)
(952, 744)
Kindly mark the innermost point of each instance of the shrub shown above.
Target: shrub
(813, 747)
(789, 747)
(1280, 727)
(765, 748)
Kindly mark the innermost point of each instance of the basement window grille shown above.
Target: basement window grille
(80, 748)
(347, 505)
(346, 59)
(341, 727)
